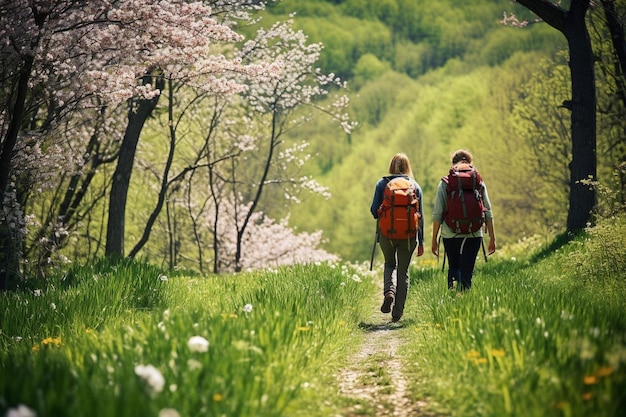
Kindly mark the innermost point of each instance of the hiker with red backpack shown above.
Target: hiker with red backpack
(462, 210)
(397, 207)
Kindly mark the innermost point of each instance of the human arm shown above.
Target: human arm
(378, 197)
(435, 243)
(438, 211)
(489, 222)
(492, 236)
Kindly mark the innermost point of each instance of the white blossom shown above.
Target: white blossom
(152, 376)
(198, 344)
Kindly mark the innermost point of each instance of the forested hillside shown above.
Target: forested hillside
(228, 136)
(427, 78)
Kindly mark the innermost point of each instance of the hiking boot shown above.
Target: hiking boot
(387, 302)
(395, 319)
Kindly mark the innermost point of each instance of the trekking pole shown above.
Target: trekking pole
(374, 246)
(482, 243)
(443, 267)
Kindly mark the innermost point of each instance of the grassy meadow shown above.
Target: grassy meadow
(541, 333)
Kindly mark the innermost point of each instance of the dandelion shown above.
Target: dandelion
(168, 412)
(21, 411)
(53, 341)
(217, 397)
(590, 380)
(604, 371)
(193, 364)
(152, 376)
(498, 353)
(198, 344)
(247, 308)
(472, 354)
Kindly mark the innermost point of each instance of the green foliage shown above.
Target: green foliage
(87, 297)
(541, 333)
(601, 255)
(539, 338)
(269, 344)
(368, 68)
(345, 40)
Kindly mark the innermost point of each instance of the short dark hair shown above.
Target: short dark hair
(462, 155)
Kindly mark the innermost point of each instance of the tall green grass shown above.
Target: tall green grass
(539, 334)
(272, 338)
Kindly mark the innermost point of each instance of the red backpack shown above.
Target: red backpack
(465, 212)
(398, 215)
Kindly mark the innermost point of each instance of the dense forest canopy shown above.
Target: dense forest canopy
(238, 170)
(428, 78)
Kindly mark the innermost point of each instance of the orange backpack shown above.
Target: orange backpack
(398, 215)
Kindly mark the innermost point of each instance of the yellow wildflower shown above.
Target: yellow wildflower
(498, 353)
(590, 380)
(217, 397)
(56, 341)
(604, 371)
(472, 354)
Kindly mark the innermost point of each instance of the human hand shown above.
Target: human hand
(492, 246)
(435, 248)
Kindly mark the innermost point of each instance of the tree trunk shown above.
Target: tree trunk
(121, 176)
(582, 199)
(616, 29)
(9, 247)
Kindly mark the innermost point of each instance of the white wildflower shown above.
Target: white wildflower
(168, 412)
(152, 376)
(198, 344)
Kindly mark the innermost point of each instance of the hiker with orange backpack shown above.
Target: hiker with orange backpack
(397, 207)
(462, 210)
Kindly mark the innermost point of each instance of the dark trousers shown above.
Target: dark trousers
(461, 253)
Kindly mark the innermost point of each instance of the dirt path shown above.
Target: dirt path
(374, 376)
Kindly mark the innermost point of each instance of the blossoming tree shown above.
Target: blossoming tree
(238, 152)
(80, 80)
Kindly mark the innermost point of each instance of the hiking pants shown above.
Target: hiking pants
(461, 253)
(397, 255)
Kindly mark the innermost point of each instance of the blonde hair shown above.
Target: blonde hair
(400, 164)
(462, 155)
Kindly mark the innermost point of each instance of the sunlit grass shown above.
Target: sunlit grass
(542, 332)
(245, 345)
(531, 338)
